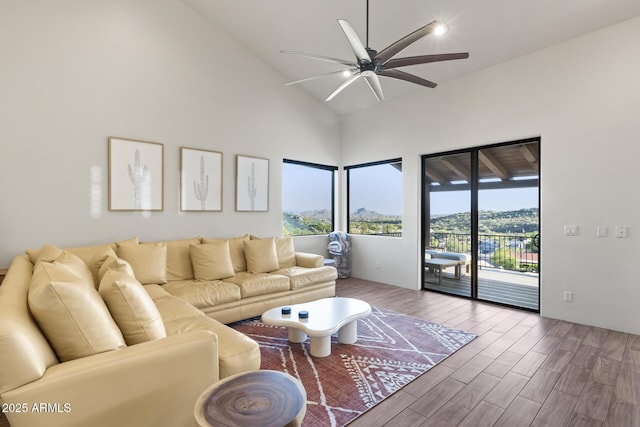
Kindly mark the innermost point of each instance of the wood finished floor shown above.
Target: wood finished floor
(522, 370)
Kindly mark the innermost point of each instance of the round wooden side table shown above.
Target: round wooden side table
(257, 398)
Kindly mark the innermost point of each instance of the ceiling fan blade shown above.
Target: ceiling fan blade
(321, 58)
(357, 46)
(390, 51)
(344, 84)
(374, 84)
(401, 75)
(319, 76)
(424, 59)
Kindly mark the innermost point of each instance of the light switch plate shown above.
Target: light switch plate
(621, 231)
(570, 230)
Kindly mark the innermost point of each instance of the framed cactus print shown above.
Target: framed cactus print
(136, 175)
(252, 184)
(200, 180)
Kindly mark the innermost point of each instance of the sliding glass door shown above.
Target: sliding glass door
(481, 223)
(448, 234)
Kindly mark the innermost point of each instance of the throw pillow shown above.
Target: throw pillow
(286, 252)
(131, 307)
(236, 247)
(261, 255)
(70, 312)
(115, 264)
(98, 260)
(149, 261)
(212, 261)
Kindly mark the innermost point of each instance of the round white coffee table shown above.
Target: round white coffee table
(326, 316)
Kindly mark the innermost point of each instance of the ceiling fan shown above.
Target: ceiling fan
(370, 63)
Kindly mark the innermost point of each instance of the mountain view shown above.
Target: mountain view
(521, 221)
(365, 221)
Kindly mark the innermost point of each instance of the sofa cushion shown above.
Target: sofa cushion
(286, 252)
(304, 259)
(149, 261)
(69, 310)
(115, 264)
(253, 284)
(301, 277)
(131, 307)
(261, 254)
(156, 291)
(200, 293)
(212, 261)
(88, 253)
(46, 253)
(25, 352)
(236, 248)
(179, 259)
(236, 351)
(98, 261)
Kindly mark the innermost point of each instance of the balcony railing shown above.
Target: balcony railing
(516, 252)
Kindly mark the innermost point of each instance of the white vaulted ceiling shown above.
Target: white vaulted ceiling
(492, 31)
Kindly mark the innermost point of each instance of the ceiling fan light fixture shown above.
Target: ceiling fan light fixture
(440, 29)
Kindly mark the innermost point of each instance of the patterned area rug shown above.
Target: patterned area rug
(392, 350)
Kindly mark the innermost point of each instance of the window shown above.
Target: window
(375, 198)
(307, 198)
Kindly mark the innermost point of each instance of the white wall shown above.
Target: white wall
(75, 72)
(583, 98)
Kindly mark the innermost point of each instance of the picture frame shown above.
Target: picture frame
(136, 175)
(252, 184)
(200, 180)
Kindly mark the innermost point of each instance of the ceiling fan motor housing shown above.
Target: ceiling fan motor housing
(374, 65)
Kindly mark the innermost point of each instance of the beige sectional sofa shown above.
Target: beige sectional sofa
(130, 333)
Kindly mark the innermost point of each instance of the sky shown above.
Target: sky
(376, 188)
(379, 188)
(305, 188)
(448, 202)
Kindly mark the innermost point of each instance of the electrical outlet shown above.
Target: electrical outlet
(621, 231)
(602, 231)
(377, 265)
(568, 296)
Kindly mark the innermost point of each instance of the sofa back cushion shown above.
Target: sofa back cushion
(236, 248)
(131, 307)
(149, 261)
(212, 261)
(261, 254)
(65, 303)
(45, 253)
(286, 252)
(179, 259)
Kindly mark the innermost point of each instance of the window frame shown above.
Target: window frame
(329, 168)
(348, 179)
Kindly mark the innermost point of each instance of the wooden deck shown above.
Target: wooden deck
(502, 286)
